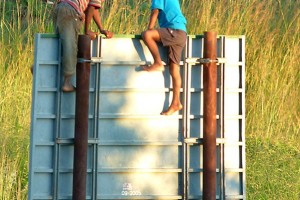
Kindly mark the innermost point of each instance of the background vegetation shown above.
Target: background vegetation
(272, 30)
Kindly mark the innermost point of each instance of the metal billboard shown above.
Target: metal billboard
(133, 151)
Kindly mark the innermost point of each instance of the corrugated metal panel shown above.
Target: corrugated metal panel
(135, 153)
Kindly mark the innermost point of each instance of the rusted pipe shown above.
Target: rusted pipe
(81, 118)
(209, 121)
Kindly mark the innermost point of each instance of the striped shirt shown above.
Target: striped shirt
(81, 5)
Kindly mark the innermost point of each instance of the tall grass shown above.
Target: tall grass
(272, 30)
(19, 20)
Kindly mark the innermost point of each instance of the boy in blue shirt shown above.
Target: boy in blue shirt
(172, 34)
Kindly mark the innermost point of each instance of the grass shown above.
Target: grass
(272, 170)
(13, 169)
(272, 30)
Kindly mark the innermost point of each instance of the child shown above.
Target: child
(68, 17)
(172, 33)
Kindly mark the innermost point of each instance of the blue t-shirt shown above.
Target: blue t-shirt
(170, 15)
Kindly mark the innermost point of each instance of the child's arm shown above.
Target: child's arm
(92, 12)
(153, 18)
(97, 20)
(89, 12)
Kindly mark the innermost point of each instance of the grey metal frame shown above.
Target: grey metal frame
(52, 123)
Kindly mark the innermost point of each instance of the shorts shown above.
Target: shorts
(175, 40)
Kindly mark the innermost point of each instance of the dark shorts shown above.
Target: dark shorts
(175, 40)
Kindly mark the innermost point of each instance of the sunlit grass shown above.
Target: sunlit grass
(13, 168)
(272, 30)
(272, 170)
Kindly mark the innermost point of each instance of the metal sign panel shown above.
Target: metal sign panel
(133, 151)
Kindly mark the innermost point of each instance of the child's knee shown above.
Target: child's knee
(143, 34)
(146, 35)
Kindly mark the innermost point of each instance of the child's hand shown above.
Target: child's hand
(92, 34)
(108, 34)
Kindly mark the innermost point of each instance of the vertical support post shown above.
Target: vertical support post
(81, 118)
(185, 122)
(210, 99)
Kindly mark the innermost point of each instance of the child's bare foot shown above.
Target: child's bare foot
(172, 109)
(92, 34)
(154, 67)
(67, 86)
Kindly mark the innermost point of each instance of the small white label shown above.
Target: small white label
(129, 191)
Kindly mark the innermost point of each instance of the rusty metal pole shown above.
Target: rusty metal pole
(81, 118)
(209, 121)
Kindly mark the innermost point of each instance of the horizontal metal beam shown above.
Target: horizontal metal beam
(199, 141)
(205, 60)
(95, 60)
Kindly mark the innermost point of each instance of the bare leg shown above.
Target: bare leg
(67, 85)
(176, 81)
(151, 37)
